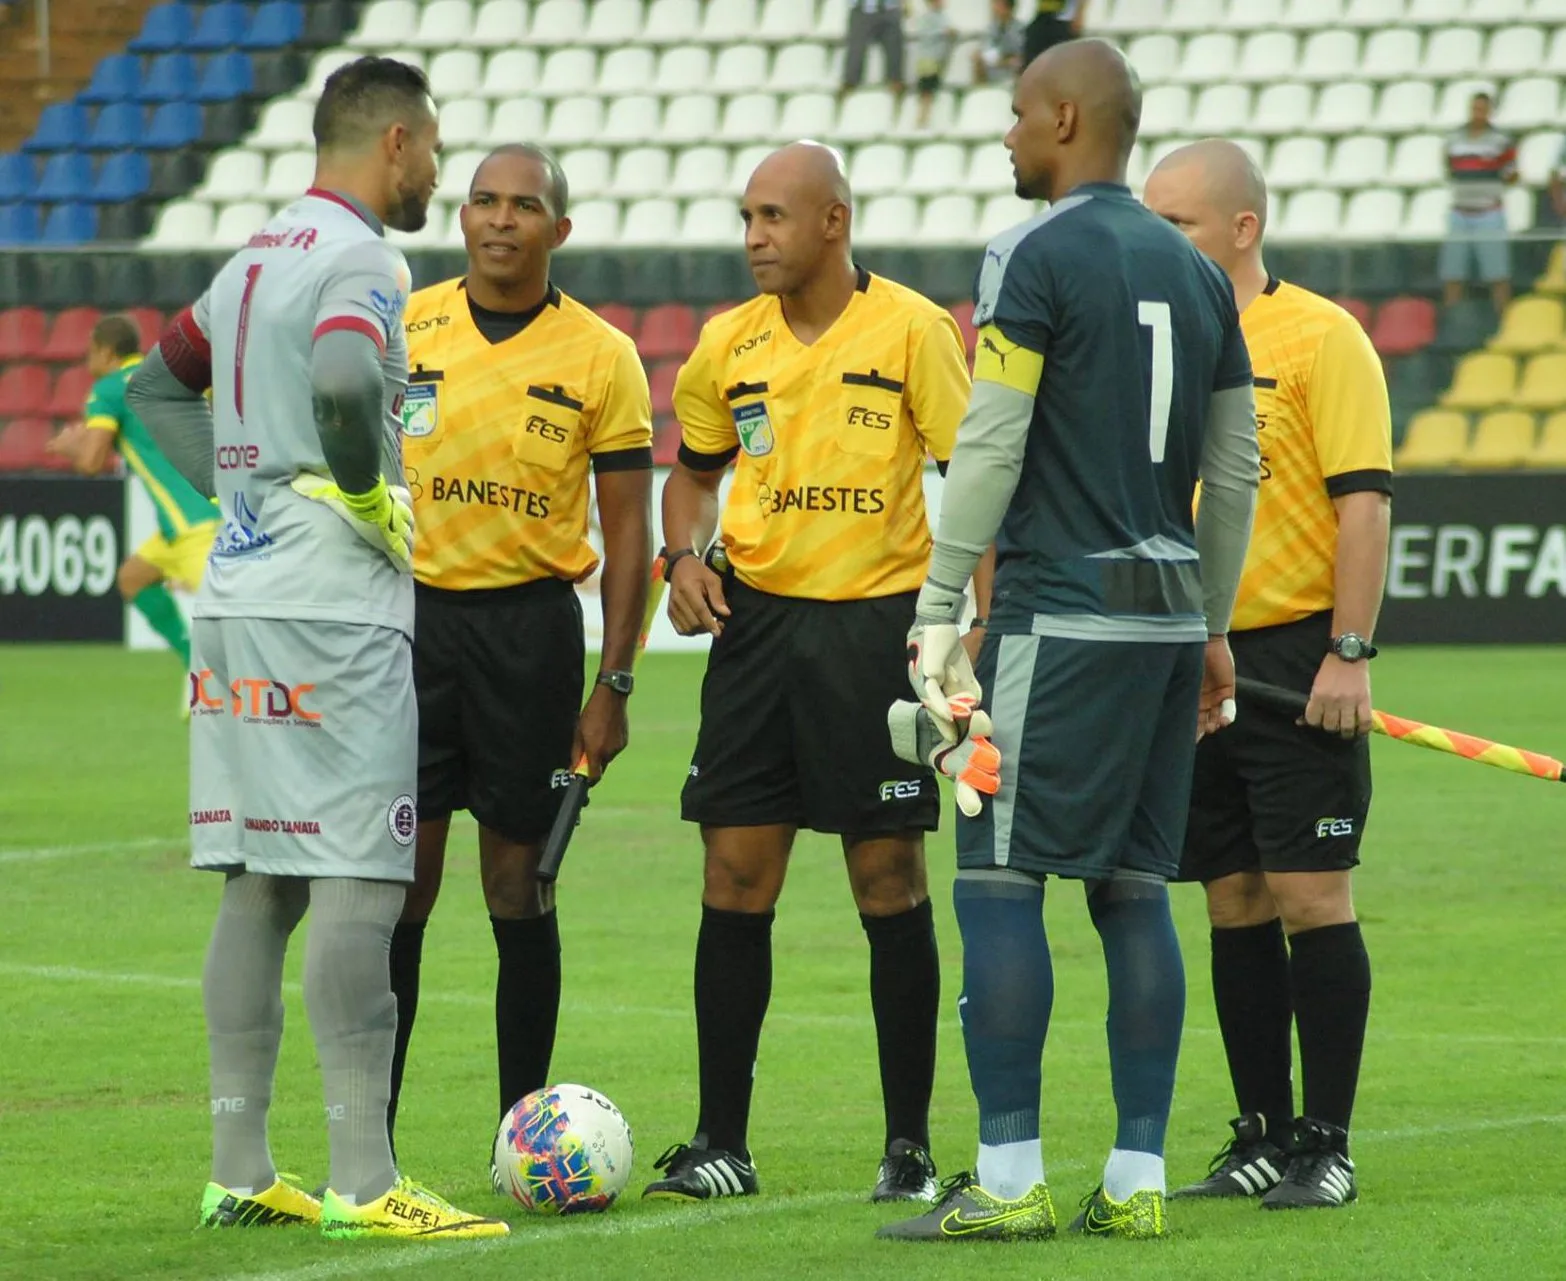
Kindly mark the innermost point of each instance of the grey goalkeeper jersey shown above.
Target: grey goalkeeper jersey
(322, 264)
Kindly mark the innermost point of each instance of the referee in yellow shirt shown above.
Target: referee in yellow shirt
(515, 392)
(830, 389)
(1278, 810)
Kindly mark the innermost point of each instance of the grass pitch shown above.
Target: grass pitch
(1460, 1134)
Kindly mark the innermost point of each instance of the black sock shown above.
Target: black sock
(1251, 991)
(733, 986)
(1331, 979)
(527, 1003)
(407, 952)
(905, 996)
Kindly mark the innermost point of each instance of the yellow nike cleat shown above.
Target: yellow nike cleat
(408, 1211)
(280, 1205)
(1139, 1217)
(966, 1212)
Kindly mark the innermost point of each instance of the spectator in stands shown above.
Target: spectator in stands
(1055, 22)
(1001, 52)
(1481, 162)
(874, 22)
(933, 35)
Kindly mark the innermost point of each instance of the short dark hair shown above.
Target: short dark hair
(1481, 94)
(119, 334)
(365, 97)
(554, 175)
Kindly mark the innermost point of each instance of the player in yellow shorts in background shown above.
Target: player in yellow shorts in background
(187, 522)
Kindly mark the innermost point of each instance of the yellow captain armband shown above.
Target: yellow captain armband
(997, 359)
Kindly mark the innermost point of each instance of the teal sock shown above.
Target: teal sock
(159, 608)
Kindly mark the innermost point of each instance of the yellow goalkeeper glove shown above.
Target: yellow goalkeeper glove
(382, 516)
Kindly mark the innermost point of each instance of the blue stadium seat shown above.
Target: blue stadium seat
(222, 26)
(61, 126)
(276, 24)
(67, 176)
(118, 126)
(17, 177)
(70, 225)
(229, 75)
(171, 78)
(166, 26)
(124, 176)
(174, 124)
(114, 78)
(18, 224)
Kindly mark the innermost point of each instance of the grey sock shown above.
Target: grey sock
(354, 1017)
(241, 989)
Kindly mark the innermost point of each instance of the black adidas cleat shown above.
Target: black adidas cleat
(1249, 1164)
(907, 1174)
(1319, 1175)
(694, 1172)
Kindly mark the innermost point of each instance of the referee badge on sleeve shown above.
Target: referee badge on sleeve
(420, 409)
(754, 428)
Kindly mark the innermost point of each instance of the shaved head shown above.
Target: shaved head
(797, 212)
(1213, 192)
(1078, 107)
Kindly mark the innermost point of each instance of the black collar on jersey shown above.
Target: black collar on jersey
(497, 326)
(861, 280)
(1272, 284)
(353, 206)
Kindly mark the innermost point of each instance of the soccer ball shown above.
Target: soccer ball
(564, 1149)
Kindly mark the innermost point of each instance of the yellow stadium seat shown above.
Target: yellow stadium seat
(1543, 383)
(1551, 449)
(1530, 325)
(1501, 440)
(1436, 438)
(1484, 380)
(1554, 279)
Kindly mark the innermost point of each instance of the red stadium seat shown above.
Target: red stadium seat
(24, 391)
(21, 333)
(150, 321)
(22, 446)
(619, 315)
(69, 335)
(717, 309)
(69, 395)
(1358, 308)
(1404, 326)
(666, 441)
(962, 313)
(661, 380)
(669, 330)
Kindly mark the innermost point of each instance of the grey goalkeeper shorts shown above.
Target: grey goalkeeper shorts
(303, 748)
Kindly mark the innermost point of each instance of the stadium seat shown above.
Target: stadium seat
(1427, 214)
(783, 21)
(1434, 13)
(452, 74)
(685, 67)
(1252, 15)
(1537, 157)
(1207, 57)
(510, 73)
(68, 396)
(590, 171)
(1484, 380)
(741, 165)
(878, 169)
(464, 122)
(1311, 15)
(801, 68)
(691, 118)
(125, 176)
(1404, 325)
(1343, 109)
(443, 24)
(1453, 51)
(61, 125)
(1217, 108)
(22, 334)
(499, 24)
(321, 68)
(1372, 13)
(1405, 106)
(1531, 325)
(227, 75)
(385, 24)
(149, 324)
(948, 220)
(1514, 51)
(23, 443)
(660, 382)
(1553, 281)
(566, 72)
(1267, 56)
(1543, 382)
(171, 78)
(220, 26)
(667, 330)
(632, 118)
(1357, 162)
(1310, 215)
(1374, 213)
(24, 391)
(733, 20)
(234, 175)
(115, 78)
(276, 25)
(174, 124)
(18, 224)
(1166, 111)
(573, 121)
(1194, 15)
(236, 223)
(712, 220)
(557, 22)
(1000, 213)
(699, 171)
(739, 68)
(595, 223)
(1436, 439)
(1156, 57)
(614, 23)
(651, 223)
(1418, 160)
(1297, 162)
(1555, 58)
(1391, 54)
(166, 27)
(67, 176)
(984, 116)
(1531, 102)
(1500, 440)
(622, 70)
(456, 174)
(936, 168)
(119, 125)
(1130, 15)
(989, 172)
(69, 335)
(18, 177)
(73, 223)
(749, 117)
(1281, 109)
(887, 220)
(1356, 307)
(617, 314)
(288, 177)
(673, 21)
(1550, 451)
(867, 115)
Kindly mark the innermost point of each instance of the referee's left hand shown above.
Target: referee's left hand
(1340, 698)
(602, 731)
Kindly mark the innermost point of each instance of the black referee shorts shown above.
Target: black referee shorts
(1271, 795)
(498, 674)
(793, 719)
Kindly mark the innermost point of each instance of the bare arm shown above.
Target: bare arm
(1360, 571)
(86, 448)
(690, 519)
(625, 513)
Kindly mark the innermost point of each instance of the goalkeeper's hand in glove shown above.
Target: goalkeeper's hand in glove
(383, 516)
(962, 752)
(940, 672)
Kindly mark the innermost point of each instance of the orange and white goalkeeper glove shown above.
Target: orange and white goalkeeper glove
(959, 749)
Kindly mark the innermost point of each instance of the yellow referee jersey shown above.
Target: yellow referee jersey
(1325, 430)
(828, 494)
(497, 437)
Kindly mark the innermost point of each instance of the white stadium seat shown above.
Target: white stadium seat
(574, 121)
(943, 114)
(499, 24)
(935, 169)
(323, 66)
(1452, 110)
(990, 171)
(288, 176)
(1514, 51)
(683, 68)
(1328, 55)
(1537, 157)
(731, 21)
(887, 220)
(1391, 54)
(1492, 13)
(443, 24)
(867, 114)
(1165, 111)
(711, 221)
(614, 23)
(1194, 15)
(1309, 215)
(802, 68)
(739, 68)
(557, 22)
(672, 21)
(1003, 212)
(383, 24)
(454, 72)
(807, 115)
(1297, 162)
(1312, 15)
(1547, 10)
(1426, 216)
(1155, 57)
(1418, 161)
(632, 118)
(690, 118)
(831, 20)
(751, 117)
(1130, 16)
(626, 70)
(700, 171)
(743, 164)
(1405, 107)
(567, 72)
(1530, 103)
(510, 73)
(517, 120)
(285, 124)
(878, 169)
(946, 220)
(1252, 15)
(1435, 13)
(595, 224)
(589, 171)
(1373, 13)
(236, 223)
(182, 224)
(1519, 209)
(456, 174)
(785, 20)
(1267, 56)
(1343, 108)
(651, 222)
(1358, 161)
(1373, 214)
(234, 175)
(1281, 109)
(1210, 56)
(1555, 59)
(1453, 51)
(1220, 109)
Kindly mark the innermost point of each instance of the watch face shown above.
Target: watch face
(1350, 647)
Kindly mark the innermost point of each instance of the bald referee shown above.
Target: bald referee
(515, 394)
(1278, 810)
(827, 392)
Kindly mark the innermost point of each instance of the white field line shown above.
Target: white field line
(46, 853)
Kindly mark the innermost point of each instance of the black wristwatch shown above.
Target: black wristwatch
(1351, 648)
(621, 682)
(671, 559)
